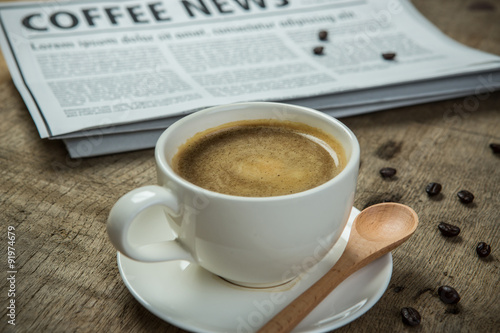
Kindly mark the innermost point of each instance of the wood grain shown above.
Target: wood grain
(67, 277)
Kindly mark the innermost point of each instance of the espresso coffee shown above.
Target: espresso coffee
(260, 158)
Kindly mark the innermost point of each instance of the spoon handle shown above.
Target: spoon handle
(299, 308)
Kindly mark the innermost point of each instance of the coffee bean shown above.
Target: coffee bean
(387, 172)
(323, 35)
(448, 295)
(448, 230)
(410, 316)
(433, 189)
(481, 5)
(495, 147)
(398, 289)
(465, 196)
(389, 55)
(483, 249)
(318, 50)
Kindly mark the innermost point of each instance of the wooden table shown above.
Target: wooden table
(67, 278)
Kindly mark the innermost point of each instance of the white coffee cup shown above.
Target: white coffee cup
(251, 241)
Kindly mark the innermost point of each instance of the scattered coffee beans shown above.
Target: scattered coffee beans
(433, 189)
(410, 316)
(465, 196)
(323, 35)
(389, 55)
(448, 230)
(448, 295)
(495, 147)
(318, 50)
(387, 172)
(483, 249)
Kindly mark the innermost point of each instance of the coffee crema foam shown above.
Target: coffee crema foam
(260, 158)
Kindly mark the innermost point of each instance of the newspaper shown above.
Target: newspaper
(122, 71)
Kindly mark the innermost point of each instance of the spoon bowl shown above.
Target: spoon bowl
(386, 222)
(376, 231)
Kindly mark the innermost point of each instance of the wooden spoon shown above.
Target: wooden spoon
(376, 231)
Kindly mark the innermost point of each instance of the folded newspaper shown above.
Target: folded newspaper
(110, 76)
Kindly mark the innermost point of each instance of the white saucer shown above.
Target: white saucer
(191, 298)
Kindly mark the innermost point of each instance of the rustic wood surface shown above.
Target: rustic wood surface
(68, 280)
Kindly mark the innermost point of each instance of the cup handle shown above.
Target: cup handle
(125, 211)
